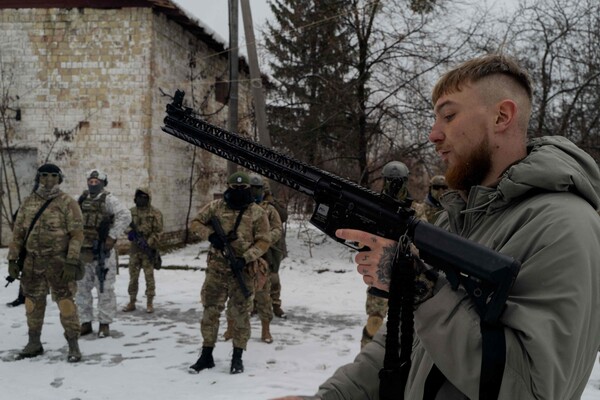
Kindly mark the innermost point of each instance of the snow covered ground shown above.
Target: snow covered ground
(147, 355)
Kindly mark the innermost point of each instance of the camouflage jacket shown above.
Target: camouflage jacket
(253, 231)
(427, 210)
(149, 224)
(103, 205)
(57, 232)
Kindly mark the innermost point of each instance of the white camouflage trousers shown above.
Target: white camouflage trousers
(107, 301)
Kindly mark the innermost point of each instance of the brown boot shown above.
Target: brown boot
(131, 306)
(266, 334)
(33, 348)
(86, 329)
(149, 306)
(103, 331)
(229, 331)
(74, 354)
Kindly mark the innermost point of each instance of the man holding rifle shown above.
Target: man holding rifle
(532, 201)
(238, 231)
(105, 218)
(145, 230)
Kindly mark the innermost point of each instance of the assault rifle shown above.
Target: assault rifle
(229, 255)
(100, 253)
(153, 255)
(486, 274)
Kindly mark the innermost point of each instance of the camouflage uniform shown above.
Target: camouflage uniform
(56, 237)
(95, 209)
(395, 176)
(148, 221)
(264, 307)
(276, 253)
(430, 208)
(220, 283)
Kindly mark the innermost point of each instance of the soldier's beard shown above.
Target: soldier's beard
(472, 169)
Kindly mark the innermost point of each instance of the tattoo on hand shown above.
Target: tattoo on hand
(384, 268)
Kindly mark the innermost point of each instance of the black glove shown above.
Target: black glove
(239, 264)
(71, 270)
(13, 269)
(216, 241)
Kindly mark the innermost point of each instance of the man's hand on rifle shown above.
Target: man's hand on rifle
(109, 243)
(375, 263)
(13, 269)
(216, 241)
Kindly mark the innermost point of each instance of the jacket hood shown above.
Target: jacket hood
(145, 190)
(553, 164)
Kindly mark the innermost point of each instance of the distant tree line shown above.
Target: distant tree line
(352, 78)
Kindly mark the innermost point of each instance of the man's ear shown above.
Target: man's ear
(506, 114)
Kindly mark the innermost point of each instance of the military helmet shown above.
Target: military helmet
(256, 180)
(266, 186)
(438, 180)
(49, 169)
(238, 179)
(395, 170)
(98, 174)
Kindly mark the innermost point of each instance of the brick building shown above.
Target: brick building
(82, 85)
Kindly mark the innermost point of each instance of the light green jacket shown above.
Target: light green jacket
(543, 213)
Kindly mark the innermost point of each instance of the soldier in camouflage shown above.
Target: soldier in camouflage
(52, 261)
(277, 252)
(395, 184)
(147, 224)
(249, 240)
(429, 209)
(263, 303)
(100, 208)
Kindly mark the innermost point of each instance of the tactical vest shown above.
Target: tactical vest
(94, 211)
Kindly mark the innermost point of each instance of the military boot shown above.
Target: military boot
(149, 305)
(33, 348)
(266, 334)
(74, 354)
(131, 305)
(237, 366)
(279, 313)
(205, 361)
(103, 331)
(229, 331)
(86, 329)
(18, 301)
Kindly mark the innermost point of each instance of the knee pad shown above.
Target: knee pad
(373, 325)
(29, 305)
(67, 307)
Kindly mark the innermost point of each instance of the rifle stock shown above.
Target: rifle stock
(486, 274)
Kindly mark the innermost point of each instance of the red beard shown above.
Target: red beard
(472, 169)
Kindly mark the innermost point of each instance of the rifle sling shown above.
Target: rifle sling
(33, 221)
(238, 220)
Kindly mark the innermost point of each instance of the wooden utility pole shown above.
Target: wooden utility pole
(233, 75)
(257, 87)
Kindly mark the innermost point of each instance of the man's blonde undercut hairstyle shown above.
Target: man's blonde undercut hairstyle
(476, 69)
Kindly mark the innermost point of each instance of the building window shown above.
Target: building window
(221, 91)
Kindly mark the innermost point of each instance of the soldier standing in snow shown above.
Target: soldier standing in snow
(247, 229)
(104, 220)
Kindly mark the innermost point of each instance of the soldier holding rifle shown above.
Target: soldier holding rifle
(232, 265)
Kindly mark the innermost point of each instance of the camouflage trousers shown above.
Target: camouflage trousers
(262, 301)
(219, 286)
(138, 261)
(275, 289)
(107, 301)
(376, 306)
(40, 277)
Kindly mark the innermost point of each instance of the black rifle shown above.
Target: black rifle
(486, 274)
(229, 254)
(141, 242)
(100, 253)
